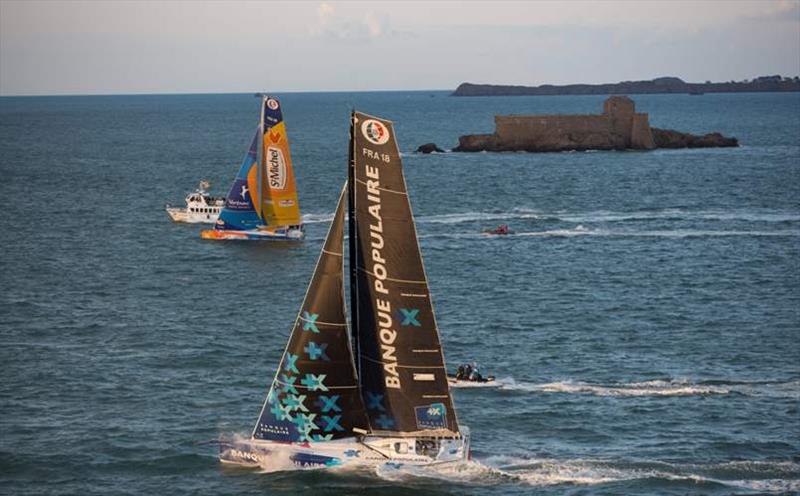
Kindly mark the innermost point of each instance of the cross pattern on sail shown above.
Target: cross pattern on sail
(314, 396)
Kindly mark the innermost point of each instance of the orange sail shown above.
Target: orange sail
(279, 206)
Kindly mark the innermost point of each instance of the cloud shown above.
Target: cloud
(354, 27)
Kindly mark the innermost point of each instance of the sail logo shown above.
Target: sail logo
(272, 103)
(375, 132)
(239, 197)
(276, 168)
(431, 416)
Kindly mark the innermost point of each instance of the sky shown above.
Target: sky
(130, 47)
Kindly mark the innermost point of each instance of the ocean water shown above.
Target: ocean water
(643, 320)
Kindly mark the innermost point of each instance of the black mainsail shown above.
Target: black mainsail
(315, 394)
(399, 358)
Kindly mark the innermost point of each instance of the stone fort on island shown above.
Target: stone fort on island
(619, 127)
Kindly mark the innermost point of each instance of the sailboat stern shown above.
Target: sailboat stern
(421, 448)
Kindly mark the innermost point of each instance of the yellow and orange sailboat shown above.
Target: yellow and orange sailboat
(262, 203)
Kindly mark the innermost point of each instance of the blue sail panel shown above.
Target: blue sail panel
(240, 212)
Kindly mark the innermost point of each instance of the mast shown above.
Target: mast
(401, 366)
(352, 243)
(315, 394)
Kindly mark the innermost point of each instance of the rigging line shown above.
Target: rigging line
(364, 270)
(428, 367)
(315, 389)
(384, 189)
(321, 322)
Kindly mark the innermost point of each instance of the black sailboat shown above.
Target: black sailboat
(380, 392)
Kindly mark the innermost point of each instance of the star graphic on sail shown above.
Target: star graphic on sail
(310, 322)
(282, 412)
(316, 351)
(314, 382)
(295, 402)
(374, 401)
(385, 421)
(409, 316)
(327, 404)
(332, 423)
(291, 363)
(287, 382)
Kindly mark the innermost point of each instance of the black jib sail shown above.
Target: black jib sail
(315, 396)
(399, 358)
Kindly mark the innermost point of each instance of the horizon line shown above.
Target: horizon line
(170, 93)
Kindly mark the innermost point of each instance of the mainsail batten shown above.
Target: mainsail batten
(315, 394)
(404, 390)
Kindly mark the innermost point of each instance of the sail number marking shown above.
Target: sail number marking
(383, 157)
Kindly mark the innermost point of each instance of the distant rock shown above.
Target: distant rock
(429, 148)
(658, 85)
(669, 138)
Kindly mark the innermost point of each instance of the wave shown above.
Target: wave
(780, 476)
(773, 477)
(581, 230)
(599, 216)
(680, 214)
(610, 216)
(462, 217)
(670, 387)
(317, 218)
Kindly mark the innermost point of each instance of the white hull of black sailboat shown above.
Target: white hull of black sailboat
(350, 452)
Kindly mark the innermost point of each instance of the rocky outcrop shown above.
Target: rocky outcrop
(429, 148)
(619, 127)
(478, 143)
(668, 138)
(653, 86)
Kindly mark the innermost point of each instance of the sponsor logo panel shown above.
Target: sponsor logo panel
(433, 416)
(375, 131)
(276, 168)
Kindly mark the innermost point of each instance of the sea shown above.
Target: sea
(643, 321)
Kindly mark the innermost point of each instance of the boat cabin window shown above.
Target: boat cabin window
(401, 448)
(428, 447)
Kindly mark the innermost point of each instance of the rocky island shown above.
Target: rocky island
(659, 85)
(619, 127)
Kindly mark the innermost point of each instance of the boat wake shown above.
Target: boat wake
(494, 470)
(671, 387)
(317, 218)
(601, 223)
(605, 216)
(759, 476)
(770, 477)
(462, 217)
